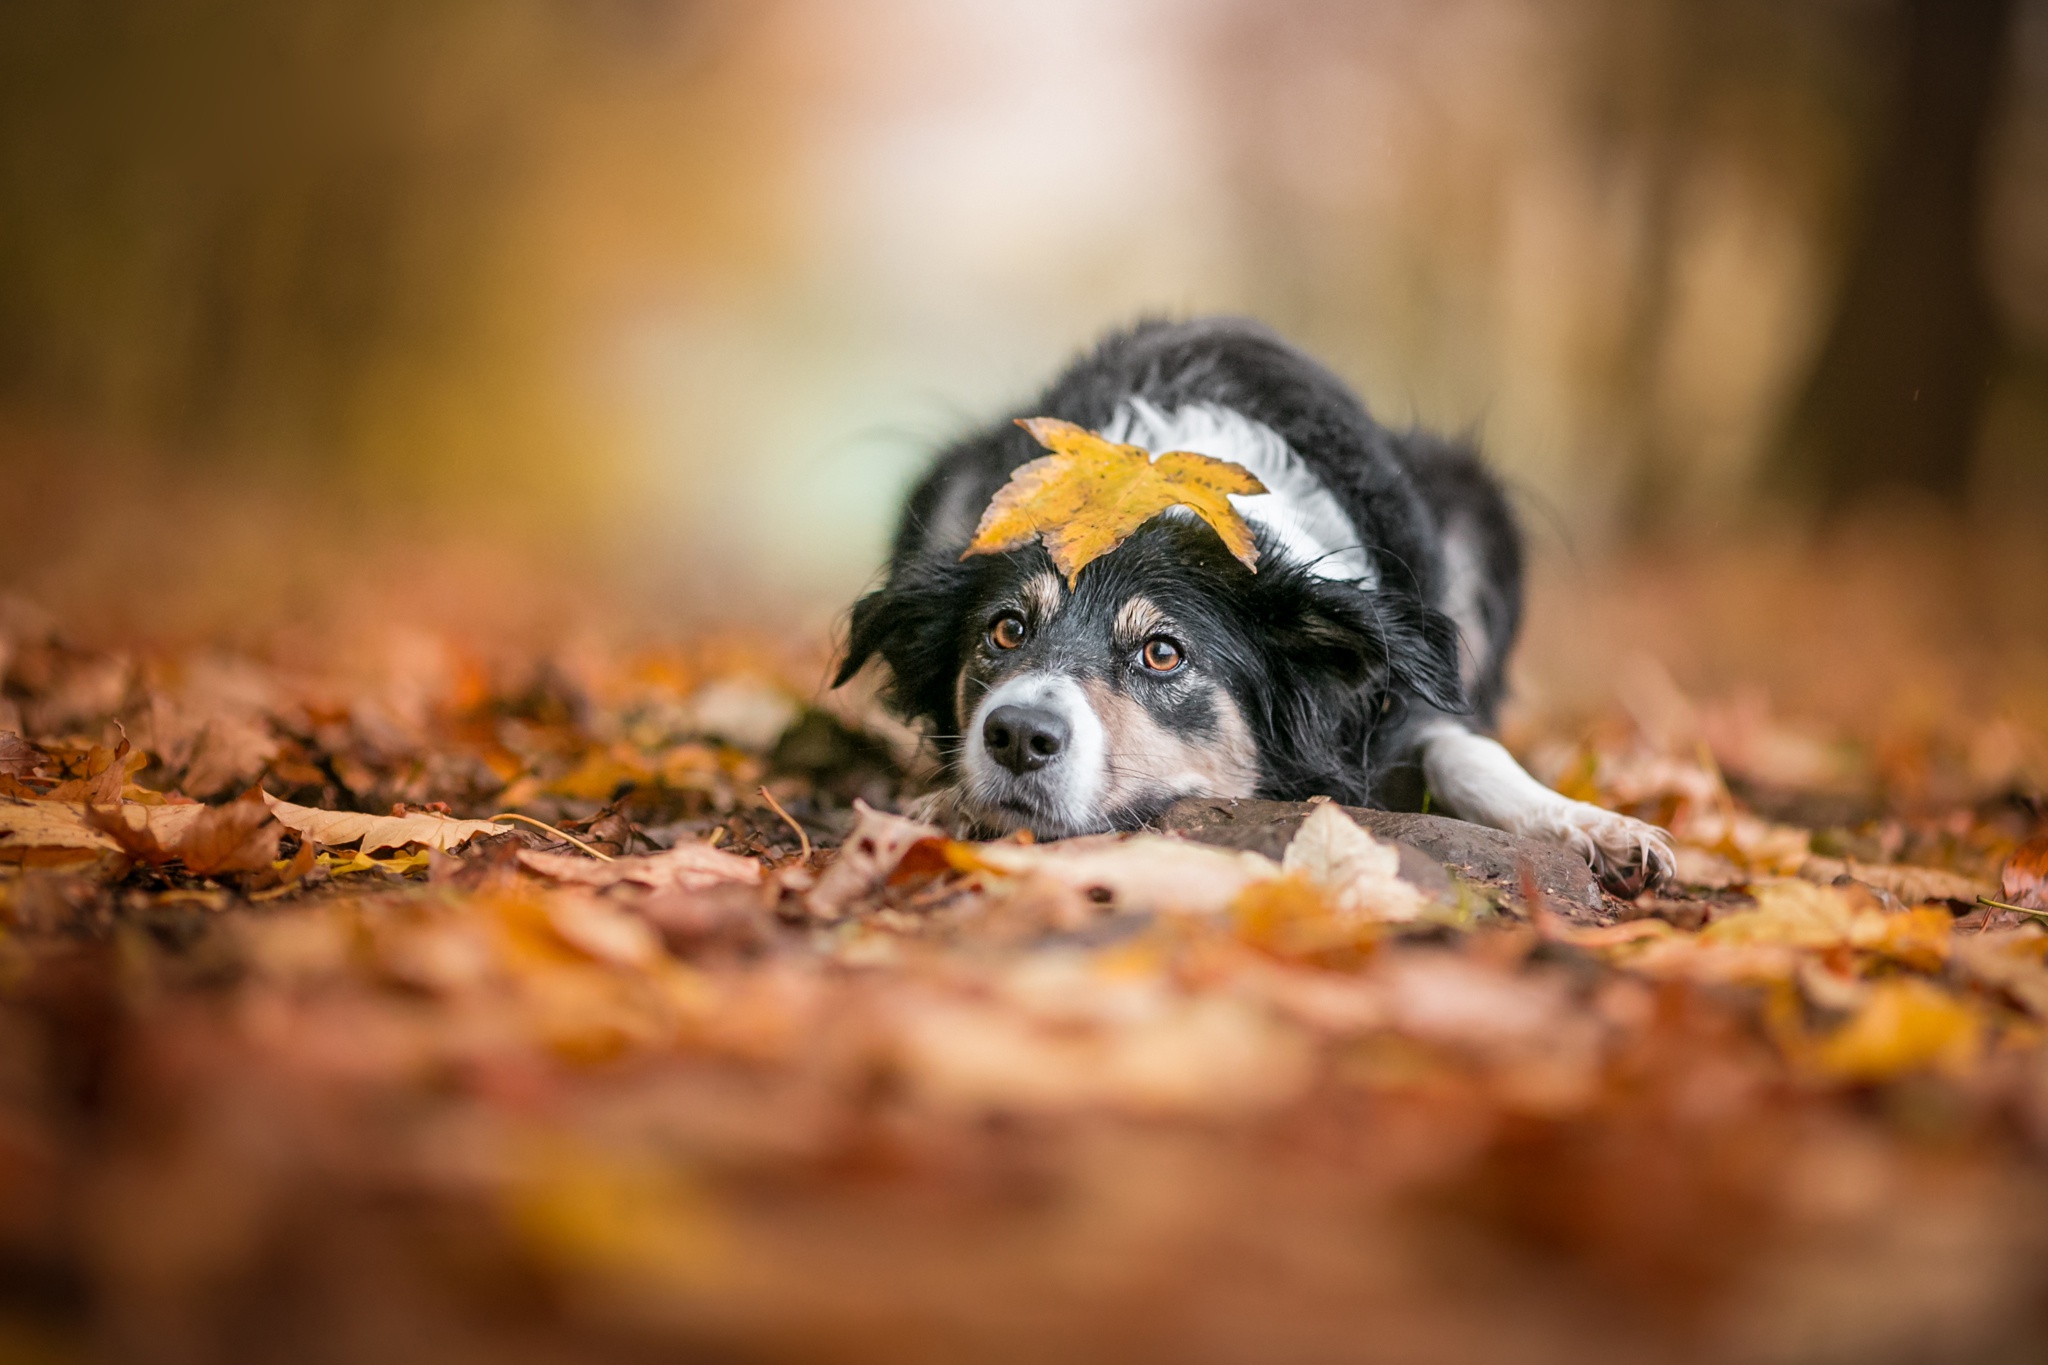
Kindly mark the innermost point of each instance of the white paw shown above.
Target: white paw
(1628, 855)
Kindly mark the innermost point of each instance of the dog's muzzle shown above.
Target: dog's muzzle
(1035, 757)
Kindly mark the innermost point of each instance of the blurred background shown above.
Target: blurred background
(687, 289)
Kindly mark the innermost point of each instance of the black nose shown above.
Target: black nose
(1023, 738)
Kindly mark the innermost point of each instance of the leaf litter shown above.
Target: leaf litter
(344, 1049)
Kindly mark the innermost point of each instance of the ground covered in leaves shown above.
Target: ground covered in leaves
(308, 1052)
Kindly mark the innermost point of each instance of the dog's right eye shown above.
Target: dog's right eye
(1006, 631)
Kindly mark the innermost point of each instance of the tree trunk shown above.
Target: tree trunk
(1895, 396)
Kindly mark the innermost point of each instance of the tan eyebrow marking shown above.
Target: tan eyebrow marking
(1137, 619)
(1043, 597)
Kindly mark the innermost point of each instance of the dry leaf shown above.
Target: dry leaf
(238, 837)
(1913, 885)
(1295, 917)
(863, 863)
(686, 867)
(1791, 914)
(1141, 874)
(148, 834)
(2025, 878)
(1090, 494)
(107, 772)
(336, 827)
(603, 932)
(1361, 874)
(1905, 1025)
(18, 757)
(43, 833)
(1157, 1055)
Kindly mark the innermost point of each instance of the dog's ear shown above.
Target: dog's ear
(1391, 638)
(913, 623)
(864, 634)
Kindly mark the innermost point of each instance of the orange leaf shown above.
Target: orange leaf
(1090, 494)
(2025, 880)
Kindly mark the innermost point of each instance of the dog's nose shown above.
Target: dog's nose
(1023, 738)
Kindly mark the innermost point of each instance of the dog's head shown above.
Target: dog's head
(1169, 670)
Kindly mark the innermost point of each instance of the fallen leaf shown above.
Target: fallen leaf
(232, 750)
(1294, 917)
(2008, 961)
(148, 834)
(238, 837)
(601, 931)
(1905, 1025)
(18, 757)
(1145, 873)
(107, 772)
(336, 827)
(686, 867)
(44, 833)
(1090, 494)
(1211, 1055)
(1914, 885)
(351, 861)
(2025, 878)
(1788, 913)
(1362, 874)
(862, 865)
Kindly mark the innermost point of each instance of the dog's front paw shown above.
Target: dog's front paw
(1628, 855)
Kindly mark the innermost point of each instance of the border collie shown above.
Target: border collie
(1364, 659)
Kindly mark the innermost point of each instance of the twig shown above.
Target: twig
(776, 806)
(565, 838)
(2005, 905)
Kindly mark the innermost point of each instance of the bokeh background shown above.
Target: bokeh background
(687, 289)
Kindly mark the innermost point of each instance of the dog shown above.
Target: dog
(1363, 659)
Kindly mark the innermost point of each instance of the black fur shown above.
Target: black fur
(1329, 677)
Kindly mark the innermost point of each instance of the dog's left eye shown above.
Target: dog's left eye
(1161, 655)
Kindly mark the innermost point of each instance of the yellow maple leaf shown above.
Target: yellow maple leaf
(1090, 494)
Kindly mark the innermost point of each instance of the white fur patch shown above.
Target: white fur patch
(1480, 781)
(1463, 581)
(1074, 783)
(1296, 510)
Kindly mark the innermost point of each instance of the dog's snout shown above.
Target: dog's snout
(1024, 738)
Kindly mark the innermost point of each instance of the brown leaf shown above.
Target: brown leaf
(107, 772)
(2025, 879)
(863, 863)
(238, 837)
(18, 757)
(148, 834)
(1090, 494)
(686, 867)
(335, 827)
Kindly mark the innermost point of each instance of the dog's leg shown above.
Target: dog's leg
(1481, 782)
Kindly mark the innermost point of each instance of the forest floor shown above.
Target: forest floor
(709, 1078)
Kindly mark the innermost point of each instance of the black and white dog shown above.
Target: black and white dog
(1364, 660)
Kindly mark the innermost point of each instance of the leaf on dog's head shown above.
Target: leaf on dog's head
(1090, 494)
